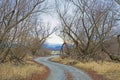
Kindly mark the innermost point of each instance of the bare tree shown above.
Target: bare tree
(118, 39)
(39, 34)
(88, 24)
(15, 24)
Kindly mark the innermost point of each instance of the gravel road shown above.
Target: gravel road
(58, 70)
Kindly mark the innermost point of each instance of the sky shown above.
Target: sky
(50, 17)
(54, 39)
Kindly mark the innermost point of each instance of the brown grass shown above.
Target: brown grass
(9, 71)
(110, 70)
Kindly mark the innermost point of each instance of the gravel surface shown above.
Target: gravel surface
(58, 70)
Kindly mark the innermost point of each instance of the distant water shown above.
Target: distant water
(55, 47)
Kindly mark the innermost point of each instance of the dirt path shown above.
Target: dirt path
(62, 72)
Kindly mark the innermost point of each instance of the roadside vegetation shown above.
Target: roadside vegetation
(22, 72)
(89, 28)
(29, 71)
(109, 70)
(21, 34)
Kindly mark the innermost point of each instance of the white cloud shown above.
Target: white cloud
(54, 39)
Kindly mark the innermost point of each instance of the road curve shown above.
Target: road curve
(58, 70)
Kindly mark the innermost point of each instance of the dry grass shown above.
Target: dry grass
(109, 69)
(9, 71)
